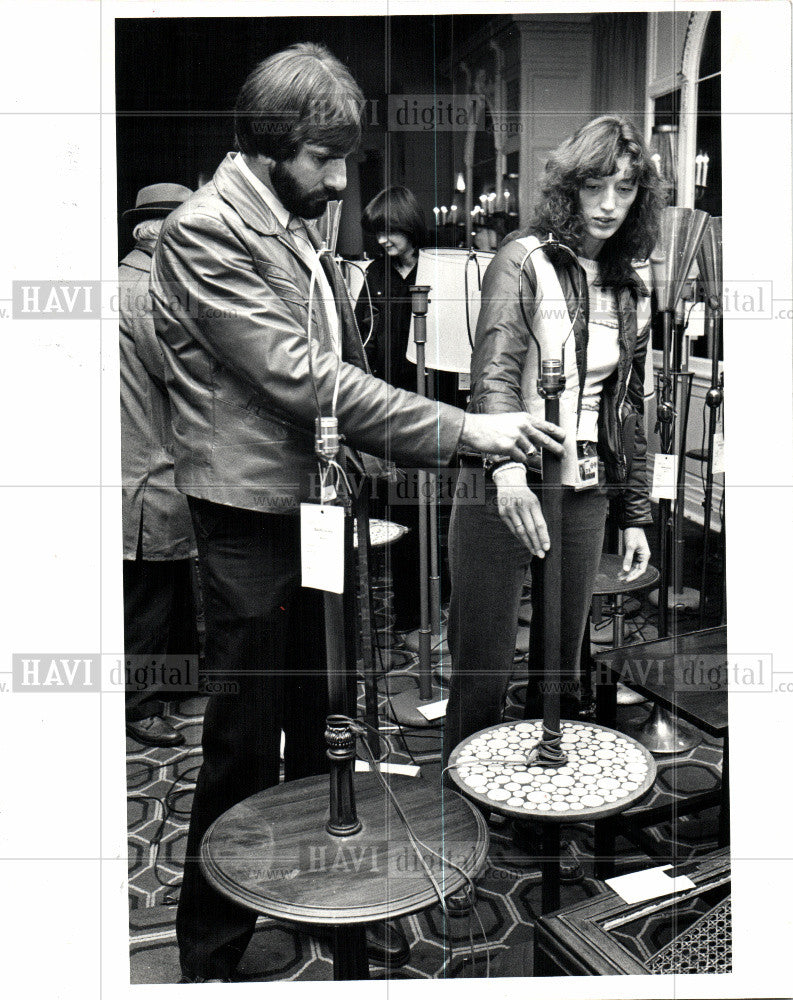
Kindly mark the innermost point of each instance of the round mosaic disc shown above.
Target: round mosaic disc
(605, 773)
(381, 532)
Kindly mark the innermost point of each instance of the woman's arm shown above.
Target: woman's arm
(635, 495)
(500, 352)
(502, 340)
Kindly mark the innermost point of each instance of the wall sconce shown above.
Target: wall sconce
(664, 155)
(511, 194)
(701, 164)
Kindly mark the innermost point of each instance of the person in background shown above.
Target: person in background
(159, 609)
(395, 219)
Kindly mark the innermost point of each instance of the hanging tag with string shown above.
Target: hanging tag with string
(322, 525)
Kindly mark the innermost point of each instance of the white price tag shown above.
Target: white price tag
(664, 477)
(322, 547)
(718, 454)
(649, 884)
(696, 322)
(463, 381)
(434, 709)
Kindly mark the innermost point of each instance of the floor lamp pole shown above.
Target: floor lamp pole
(405, 706)
(713, 400)
(551, 386)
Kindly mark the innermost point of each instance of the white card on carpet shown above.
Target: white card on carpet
(410, 770)
(648, 884)
(435, 709)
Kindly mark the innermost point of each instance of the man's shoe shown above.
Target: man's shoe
(188, 979)
(154, 732)
(386, 944)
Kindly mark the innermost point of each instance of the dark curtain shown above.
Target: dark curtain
(620, 46)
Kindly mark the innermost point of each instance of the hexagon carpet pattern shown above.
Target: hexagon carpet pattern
(160, 785)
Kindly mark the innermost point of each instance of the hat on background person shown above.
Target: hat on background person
(156, 201)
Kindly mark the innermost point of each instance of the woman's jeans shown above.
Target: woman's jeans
(488, 566)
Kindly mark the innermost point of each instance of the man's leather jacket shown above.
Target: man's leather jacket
(230, 292)
(500, 354)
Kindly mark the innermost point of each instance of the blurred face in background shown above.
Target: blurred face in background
(395, 245)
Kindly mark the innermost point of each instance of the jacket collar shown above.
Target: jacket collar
(233, 187)
(636, 283)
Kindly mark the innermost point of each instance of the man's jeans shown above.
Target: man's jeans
(488, 566)
(265, 636)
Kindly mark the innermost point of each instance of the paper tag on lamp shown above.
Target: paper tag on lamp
(718, 454)
(448, 348)
(664, 477)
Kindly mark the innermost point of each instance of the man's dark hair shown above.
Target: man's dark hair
(301, 94)
(396, 210)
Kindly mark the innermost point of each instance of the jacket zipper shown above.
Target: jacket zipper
(582, 284)
(623, 392)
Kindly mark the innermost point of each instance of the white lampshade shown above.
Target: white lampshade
(448, 347)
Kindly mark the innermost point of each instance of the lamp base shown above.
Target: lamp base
(438, 645)
(404, 708)
(661, 733)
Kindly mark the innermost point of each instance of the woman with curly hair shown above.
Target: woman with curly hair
(600, 197)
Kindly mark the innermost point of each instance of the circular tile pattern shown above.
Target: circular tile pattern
(605, 771)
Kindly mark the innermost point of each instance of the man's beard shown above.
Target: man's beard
(294, 197)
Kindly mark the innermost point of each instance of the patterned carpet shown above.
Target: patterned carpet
(160, 786)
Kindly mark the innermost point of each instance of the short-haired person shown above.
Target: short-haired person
(395, 219)
(383, 312)
(600, 197)
(231, 285)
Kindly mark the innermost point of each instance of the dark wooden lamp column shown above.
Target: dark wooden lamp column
(333, 851)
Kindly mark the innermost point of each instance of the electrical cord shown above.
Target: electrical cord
(390, 704)
(549, 242)
(360, 729)
(168, 811)
(355, 264)
(311, 287)
(471, 257)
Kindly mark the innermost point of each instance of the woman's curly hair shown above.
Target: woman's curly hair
(593, 152)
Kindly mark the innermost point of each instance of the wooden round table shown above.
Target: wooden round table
(272, 854)
(606, 772)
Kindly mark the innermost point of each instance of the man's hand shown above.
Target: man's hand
(513, 434)
(520, 510)
(637, 554)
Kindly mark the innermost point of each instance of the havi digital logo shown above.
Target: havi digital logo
(51, 672)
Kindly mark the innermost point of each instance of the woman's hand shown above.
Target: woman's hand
(520, 510)
(637, 554)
